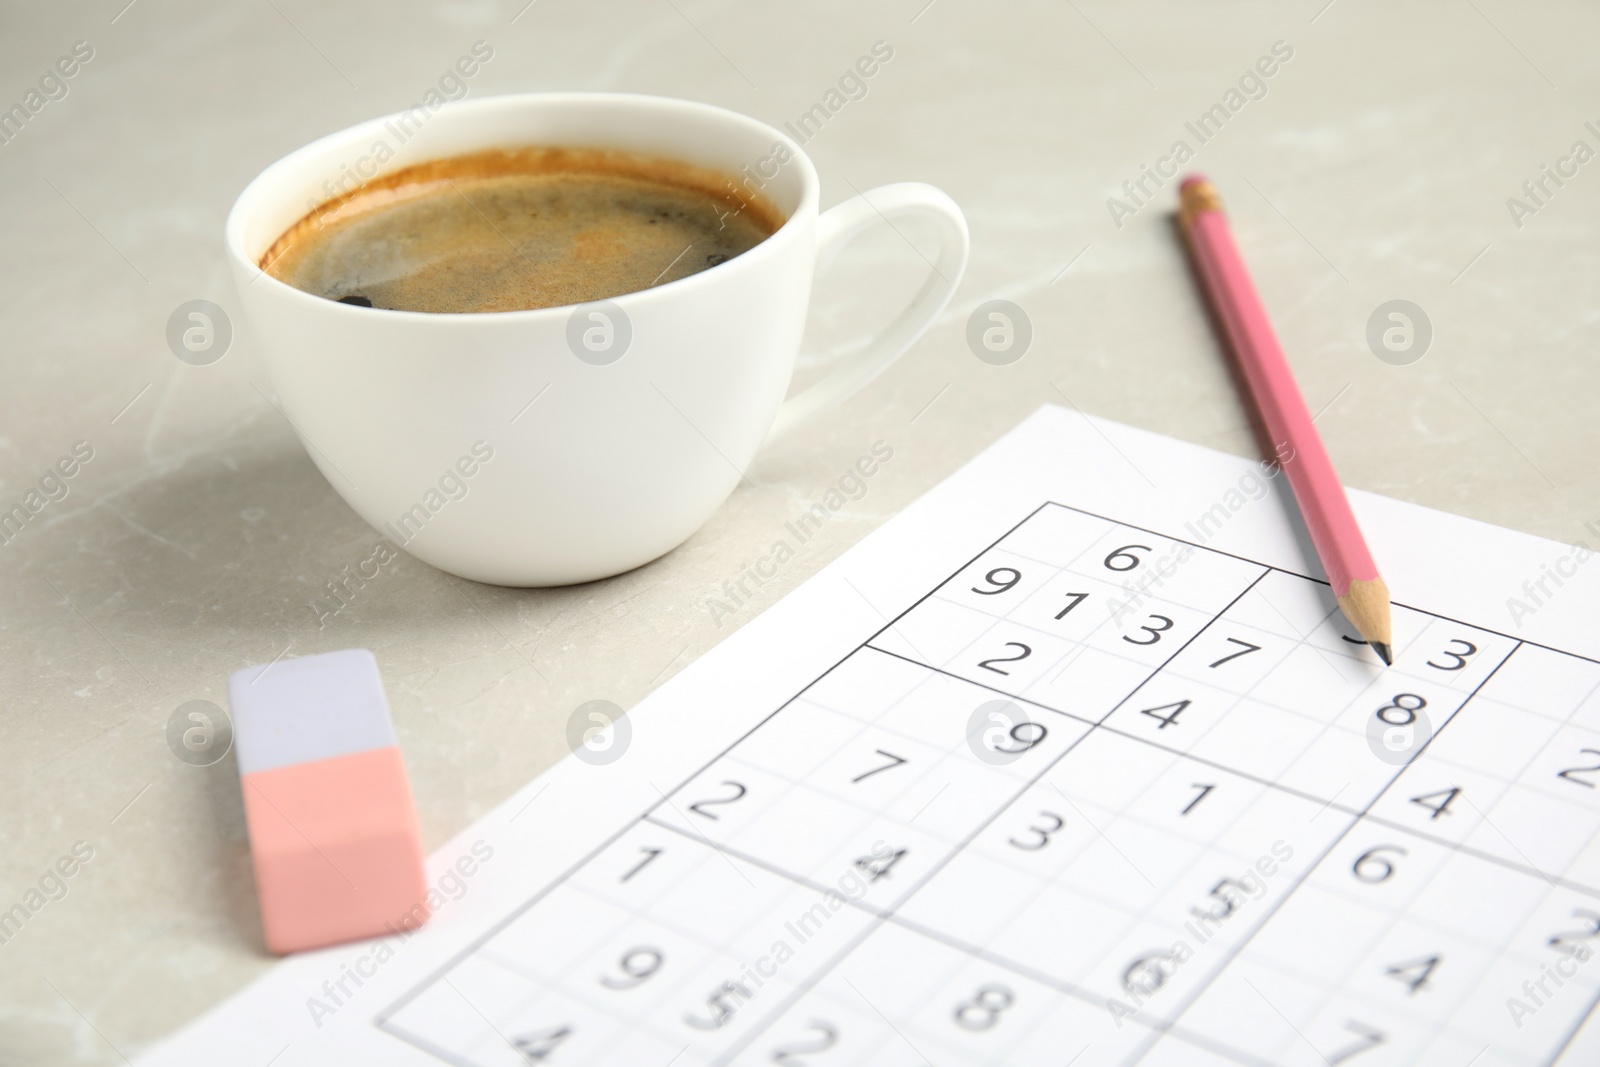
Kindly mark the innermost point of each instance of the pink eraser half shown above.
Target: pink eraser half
(333, 831)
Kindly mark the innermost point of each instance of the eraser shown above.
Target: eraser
(333, 830)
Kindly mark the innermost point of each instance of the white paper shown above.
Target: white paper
(1190, 824)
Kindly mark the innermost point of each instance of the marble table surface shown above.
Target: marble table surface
(1383, 159)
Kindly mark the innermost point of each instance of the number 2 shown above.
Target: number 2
(1573, 936)
(988, 664)
(698, 805)
(1571, 773)
(789, 1055)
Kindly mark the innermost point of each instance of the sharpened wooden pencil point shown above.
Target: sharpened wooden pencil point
(1366, 605)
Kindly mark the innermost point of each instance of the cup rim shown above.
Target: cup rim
(261, 186)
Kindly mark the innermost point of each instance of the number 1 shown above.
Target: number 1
(650, 854)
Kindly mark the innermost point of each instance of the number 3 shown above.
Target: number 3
(1155, 632)
(1468, 649)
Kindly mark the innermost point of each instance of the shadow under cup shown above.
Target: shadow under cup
(548, 446)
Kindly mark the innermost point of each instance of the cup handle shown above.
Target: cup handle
(837, 227)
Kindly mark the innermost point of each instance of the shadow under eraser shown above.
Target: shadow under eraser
(333, 830)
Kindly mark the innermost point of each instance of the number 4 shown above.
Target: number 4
(1443, 806)
(878, 865)
(537, 1047)
(1413, 974)
(1166, 720)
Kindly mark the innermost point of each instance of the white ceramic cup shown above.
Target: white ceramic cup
(564, 444)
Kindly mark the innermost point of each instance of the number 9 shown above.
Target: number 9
(636, 965)
(1036, 731)
(1002, 578)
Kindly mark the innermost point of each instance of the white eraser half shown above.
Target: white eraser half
(311, 708)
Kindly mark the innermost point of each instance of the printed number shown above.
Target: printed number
(1035, 729)
(1413, 974)
(1166, 720)
(1155, 632)
(1149, 973)
(983, 1010)
(1227, 902)
(1403, 710)
(1373, 868)
(698, 806)
(720, 1006)
(875, 867)
(1204, 789)
(1075, 599)
(537, 1047)
(1443, 806)
(789, 1055)
(1573, 936)
(1366, 1037)
(1468, 650)
(1571, 773)
(894, 761)
(650, 855)
(636, 965)
(1125, 554)
(998, 579)
(1247, 646)
(1044, 832)
(988, 664)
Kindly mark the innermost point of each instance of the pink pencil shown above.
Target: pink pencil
(1362, 596)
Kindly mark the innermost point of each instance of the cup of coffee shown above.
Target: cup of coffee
(538, 339)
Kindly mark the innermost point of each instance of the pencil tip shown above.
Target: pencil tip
(1383, 653)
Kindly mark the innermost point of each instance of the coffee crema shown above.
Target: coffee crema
(510, 230)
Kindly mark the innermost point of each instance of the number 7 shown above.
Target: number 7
(1248, 648)
(1367, 1038)
(895, 761)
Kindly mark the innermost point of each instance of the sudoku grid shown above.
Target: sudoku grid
(1101, 797)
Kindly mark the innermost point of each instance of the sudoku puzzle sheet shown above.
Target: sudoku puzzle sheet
(1101, 797)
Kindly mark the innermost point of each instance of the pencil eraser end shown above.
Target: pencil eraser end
(1193, 179)
(333, 830)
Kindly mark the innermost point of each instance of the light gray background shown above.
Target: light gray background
(1377, 167)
